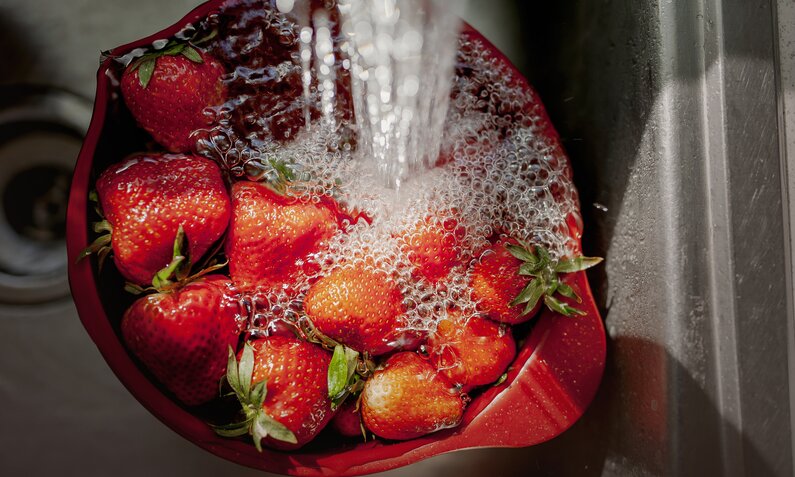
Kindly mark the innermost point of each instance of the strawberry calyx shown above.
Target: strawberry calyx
(348, 369)
(101, 246)
(545, 280)
(177, 273)
(251, 396)
(345, 375)
(146, 64)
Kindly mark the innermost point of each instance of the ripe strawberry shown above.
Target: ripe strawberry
(270, 234)
(471, 352)
(347, 421)
(408, 398)
(359, 307)
(513, 278)
(167, 92)
(182, 336)
(495, 282)
(145, 200)
(281, 383)
(432, 245)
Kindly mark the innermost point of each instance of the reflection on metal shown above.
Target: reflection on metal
(40, 136)
(672, 126)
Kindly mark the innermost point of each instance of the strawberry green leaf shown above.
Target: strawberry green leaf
(568, 292)
(558, 306)
(258, 394)
(137, 63)
(161, 278)
(206, 38)
(266, 426)
(93, 196)
(233, 430)
(178, 268)
(172, 50)
(133, 288)
(102, 256)
(282, 169)
(523, 254)
(102, 226)
(577, 264)
(232, 376)
(245, 369)
(543, 256)
(96, 246)
(530, 294)
(179, 241)
(190, 53)
(147, 67)
(337, 372)
(552, 283)
(528, 268)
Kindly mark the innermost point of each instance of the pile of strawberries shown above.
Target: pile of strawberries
(196, 244)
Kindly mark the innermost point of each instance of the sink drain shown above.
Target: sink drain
(40, 137)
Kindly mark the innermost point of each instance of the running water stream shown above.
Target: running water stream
(399, 55)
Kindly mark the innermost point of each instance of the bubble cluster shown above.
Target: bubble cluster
(501, 171)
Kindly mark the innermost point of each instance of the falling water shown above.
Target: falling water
(400, 56)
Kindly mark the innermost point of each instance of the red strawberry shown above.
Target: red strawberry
(495, 282)
(182, 336)
(512, 279)
(359, 307)
(145, 200)
(471, 352)
(432, 247)
(167, 92)
(281, 383)
(270, 234)
(408, 398)
(347, 421)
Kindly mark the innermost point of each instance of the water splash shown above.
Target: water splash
(401, 55)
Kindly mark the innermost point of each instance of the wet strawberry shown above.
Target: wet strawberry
(168, 91)
(281, 384)
(513, 279)
(408, 398)
(432, 245)
(360, 307)
(145, 200)
(182, 336)
(471, 352)
(495, 282)
(271, 234)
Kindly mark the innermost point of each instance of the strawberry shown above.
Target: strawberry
(145, 200)
(432, 245)
(182, 336)
(471, 352)
(271, 234)
(347, 421)
(281, 383)
(495, 282)
(512, 279)
(167, 92)
(360, 307)
(407, 398)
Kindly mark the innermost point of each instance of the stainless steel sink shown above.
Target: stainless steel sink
(675, 114)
